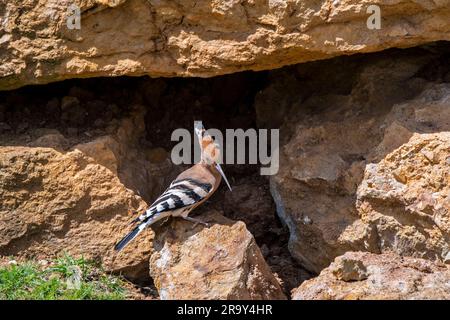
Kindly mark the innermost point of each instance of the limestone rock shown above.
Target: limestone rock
(363, 159)
(199, 38)
(102, 150)
(120, 152)
(53, 202)
(217, 262)
(349, 269)
(73, 192)
(386, 276)
(406, 197)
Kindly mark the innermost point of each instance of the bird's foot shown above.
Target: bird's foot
(196, 222)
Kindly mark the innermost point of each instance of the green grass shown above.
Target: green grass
(66, 278)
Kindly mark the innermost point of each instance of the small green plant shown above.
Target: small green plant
(66, 278)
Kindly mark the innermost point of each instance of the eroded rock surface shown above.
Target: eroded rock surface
(364, 163)
(364, 166)
(199, 38)
(124, 126)
(388, 276)
(217, 262)
(53, 202)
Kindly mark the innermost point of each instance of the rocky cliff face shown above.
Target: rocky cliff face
(361, 202)
(199, 38)
(363, 167)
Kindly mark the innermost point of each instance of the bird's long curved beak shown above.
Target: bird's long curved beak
(223, 175)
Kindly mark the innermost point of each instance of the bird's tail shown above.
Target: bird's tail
(135, 232)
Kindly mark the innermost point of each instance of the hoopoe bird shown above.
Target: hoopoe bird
(190, 189)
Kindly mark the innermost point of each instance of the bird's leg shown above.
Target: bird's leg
(195, 221)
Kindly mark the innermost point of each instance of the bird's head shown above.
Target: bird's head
(210, 150)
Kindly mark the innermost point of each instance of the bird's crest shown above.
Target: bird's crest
(210, 150)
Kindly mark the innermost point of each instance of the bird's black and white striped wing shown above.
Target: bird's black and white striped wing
(183, 193)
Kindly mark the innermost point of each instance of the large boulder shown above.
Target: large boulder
(53, 202)
(362, 275)
(199, 38)
(221, 261)
(364, 163)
